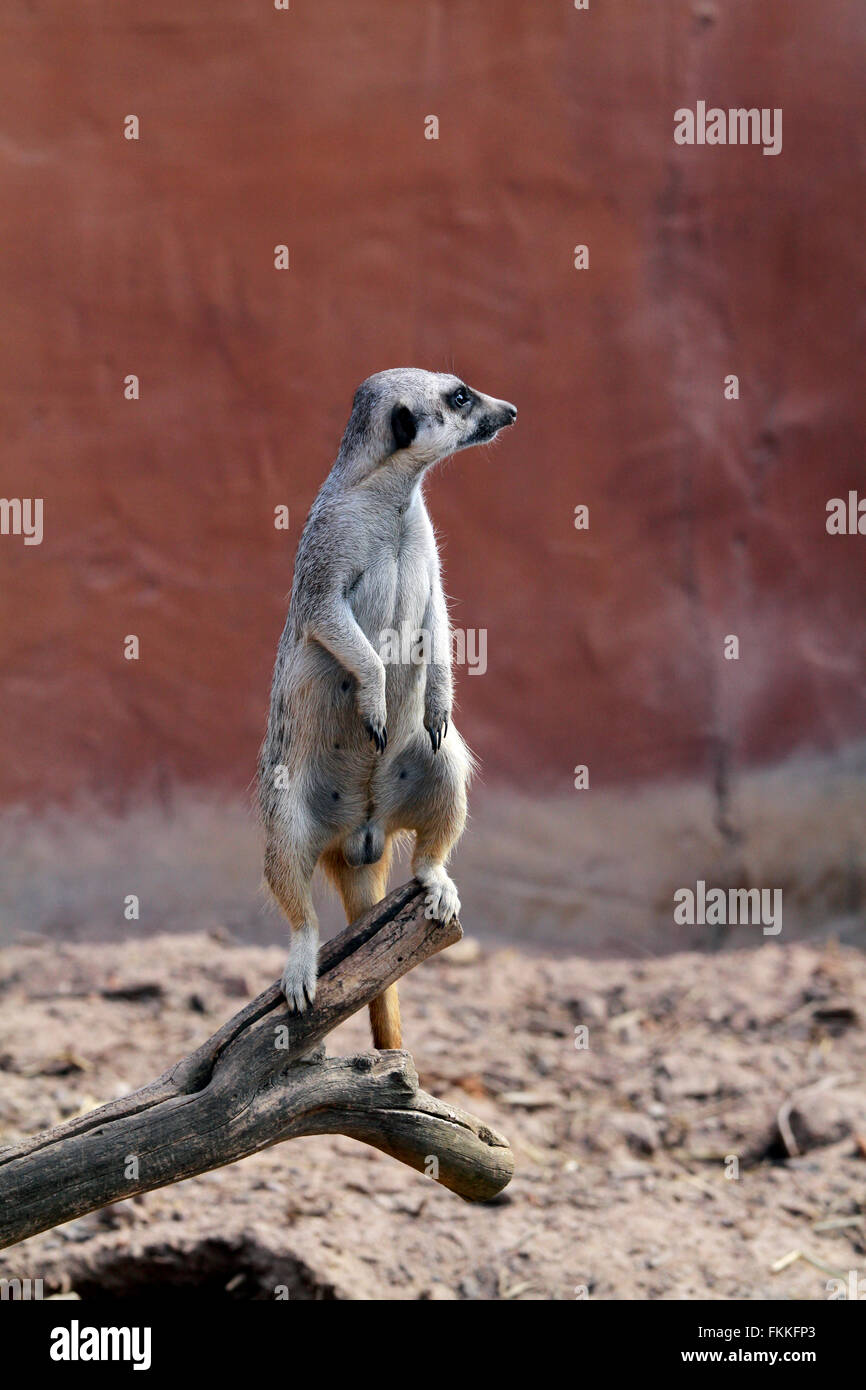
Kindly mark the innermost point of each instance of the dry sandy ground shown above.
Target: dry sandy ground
(621, 1147)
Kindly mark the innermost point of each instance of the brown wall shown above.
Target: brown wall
(306, 127)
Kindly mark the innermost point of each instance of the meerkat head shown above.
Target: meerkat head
(415, 418)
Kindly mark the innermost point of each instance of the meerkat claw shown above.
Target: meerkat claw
(437, 731)
(380, 739)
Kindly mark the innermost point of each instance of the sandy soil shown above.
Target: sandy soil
(622, 1146)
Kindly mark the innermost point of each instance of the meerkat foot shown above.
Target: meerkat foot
(299, 977)
(441, 902)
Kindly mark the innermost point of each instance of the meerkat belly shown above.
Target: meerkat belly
(337, 772)
(390, 605)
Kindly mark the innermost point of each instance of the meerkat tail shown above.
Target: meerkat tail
(385, 1020)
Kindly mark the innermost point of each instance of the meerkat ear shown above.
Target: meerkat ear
(403, 426)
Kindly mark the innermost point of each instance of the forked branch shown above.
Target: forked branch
(261, 1079)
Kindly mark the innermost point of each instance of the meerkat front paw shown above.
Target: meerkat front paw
(436, 724)
(379, 735)
(441, 902)
(374, 715)
(299, 977)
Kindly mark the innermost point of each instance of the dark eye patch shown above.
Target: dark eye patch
(460, 397)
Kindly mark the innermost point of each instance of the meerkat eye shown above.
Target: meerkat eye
(460, 397)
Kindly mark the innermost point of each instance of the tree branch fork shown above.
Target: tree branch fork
(261, 1079)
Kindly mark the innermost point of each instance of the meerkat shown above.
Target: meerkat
(359, 750)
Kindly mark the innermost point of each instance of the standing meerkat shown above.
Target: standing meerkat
(357, 750)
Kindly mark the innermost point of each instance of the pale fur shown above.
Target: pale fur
(367, 750)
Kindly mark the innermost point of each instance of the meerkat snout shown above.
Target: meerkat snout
(490, 423)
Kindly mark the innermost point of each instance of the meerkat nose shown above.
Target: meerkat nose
(510, 410)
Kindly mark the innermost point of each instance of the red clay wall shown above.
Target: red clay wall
(306, 127)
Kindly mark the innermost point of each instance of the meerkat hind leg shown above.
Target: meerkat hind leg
(441, 902)
(434, 840)
(291, 889)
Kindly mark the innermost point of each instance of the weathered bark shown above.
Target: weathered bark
(261, 1079)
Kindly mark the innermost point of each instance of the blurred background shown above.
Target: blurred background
(155, 257)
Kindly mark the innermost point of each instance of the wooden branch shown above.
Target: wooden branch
(261, 1079)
